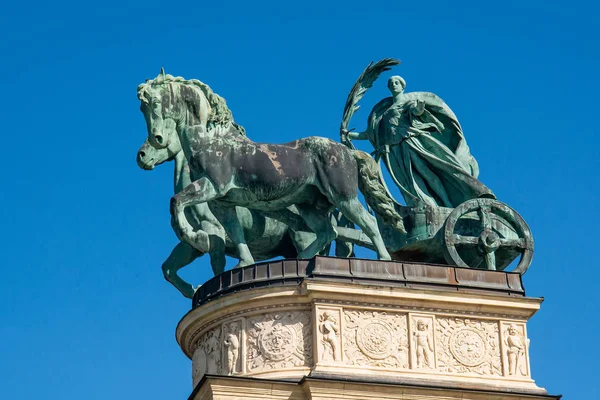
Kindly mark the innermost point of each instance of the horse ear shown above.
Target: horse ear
(162, 71)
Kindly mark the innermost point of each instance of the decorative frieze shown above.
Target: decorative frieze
(279, 341)
(375, 339)
(232, 347)
(422, 329)
(515, 349)
(329, 334)
(468, 346)
(419, 338)
(207, 356)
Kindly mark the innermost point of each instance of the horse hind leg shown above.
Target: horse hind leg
(355, 212)
(342, 248)
(320, 224)
(232, 225)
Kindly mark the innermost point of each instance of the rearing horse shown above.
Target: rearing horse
(315, 174)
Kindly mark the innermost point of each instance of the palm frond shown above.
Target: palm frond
(364, 82)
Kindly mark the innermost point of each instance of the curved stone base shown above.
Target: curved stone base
(365, 319)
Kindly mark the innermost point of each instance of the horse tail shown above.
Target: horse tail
(376, 196)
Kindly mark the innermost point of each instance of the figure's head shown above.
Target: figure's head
(327, 316)
(396, 84)
(512, 329)
(421, 325)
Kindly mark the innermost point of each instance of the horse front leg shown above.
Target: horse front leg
(181, 255)
(200, 191)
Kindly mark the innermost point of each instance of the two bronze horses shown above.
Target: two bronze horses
(296, 184)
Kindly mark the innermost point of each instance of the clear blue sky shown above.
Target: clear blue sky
(83, 231)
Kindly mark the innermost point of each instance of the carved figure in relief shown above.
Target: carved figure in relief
(516, 349)
(330, 330)
(212, 353)
(233, 349)
(424, 345)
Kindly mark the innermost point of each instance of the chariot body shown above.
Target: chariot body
(479, 233)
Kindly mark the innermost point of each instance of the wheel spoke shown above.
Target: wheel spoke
(476, 262)
(490, 260)
(514, 243)
(484, 214)
(459, 239)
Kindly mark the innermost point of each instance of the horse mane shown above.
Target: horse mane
(220, 115)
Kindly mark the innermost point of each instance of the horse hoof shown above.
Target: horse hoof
(243, 263)
(189, 291)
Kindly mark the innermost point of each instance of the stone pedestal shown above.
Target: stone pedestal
(332, 328)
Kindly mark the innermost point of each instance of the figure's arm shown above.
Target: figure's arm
(353, 135)
(418, 107)
(358, 135)
(335, 327)
(512, 342)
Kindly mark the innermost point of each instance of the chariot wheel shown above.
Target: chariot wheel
(484, 238)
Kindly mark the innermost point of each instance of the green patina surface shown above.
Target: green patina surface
(255, 201)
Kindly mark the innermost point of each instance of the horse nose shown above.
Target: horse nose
(141, 155)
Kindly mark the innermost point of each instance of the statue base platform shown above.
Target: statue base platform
(332, 328)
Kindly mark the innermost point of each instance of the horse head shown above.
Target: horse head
(148, 156)
(171, 104)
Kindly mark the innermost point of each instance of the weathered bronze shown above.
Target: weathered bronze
(256, 201)
(421, 143)
(314, 174)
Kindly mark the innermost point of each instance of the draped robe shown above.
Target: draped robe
(426, 153)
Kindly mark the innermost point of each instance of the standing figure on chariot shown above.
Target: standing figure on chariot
(423, 147)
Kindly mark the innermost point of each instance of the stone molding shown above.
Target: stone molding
(324, 326)
(316, 388)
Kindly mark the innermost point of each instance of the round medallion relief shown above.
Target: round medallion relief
(278, 343)
(468, 347)
(375, 339)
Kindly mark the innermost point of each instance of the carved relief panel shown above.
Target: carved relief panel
(377, 339)
(422, 334)
(278, 341)
(348, 337)
(468, 346)
(232, 337)
(207, 356)
(515, 350)
(329, 334)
